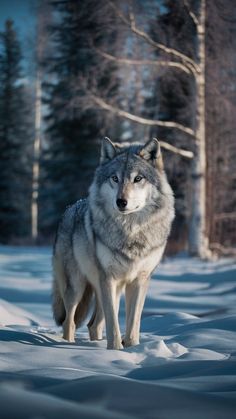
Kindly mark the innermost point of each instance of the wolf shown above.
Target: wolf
(112, 241)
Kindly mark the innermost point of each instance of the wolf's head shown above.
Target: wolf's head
(130, 177)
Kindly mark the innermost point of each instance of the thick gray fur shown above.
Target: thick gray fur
(102, 249)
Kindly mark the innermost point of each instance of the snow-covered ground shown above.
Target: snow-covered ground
(184, 367)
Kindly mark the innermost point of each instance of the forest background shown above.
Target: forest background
(129, 70)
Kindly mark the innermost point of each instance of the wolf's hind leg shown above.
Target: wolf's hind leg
(71, 301)
(96, 323)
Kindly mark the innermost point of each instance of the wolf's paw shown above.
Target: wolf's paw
(130, 342)
(115, 345)
(69, 338)
(95, 334)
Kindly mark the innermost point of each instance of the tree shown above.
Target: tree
(173, 99)
(14, 140)
(73, 130)
(175, 88)
(43, 15)
(221, 125)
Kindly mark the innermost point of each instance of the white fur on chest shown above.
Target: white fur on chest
(124, 270)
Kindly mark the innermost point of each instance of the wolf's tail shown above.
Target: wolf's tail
(58, 307)
(83, 306)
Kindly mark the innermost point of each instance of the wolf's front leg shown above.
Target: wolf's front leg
(135, 296)
(110, 304)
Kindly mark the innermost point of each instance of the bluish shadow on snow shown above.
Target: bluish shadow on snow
(207, 278)
(185, 369)
(26, 338)
(36, 338)
(29, 381)
(25, 296)
(147, 400)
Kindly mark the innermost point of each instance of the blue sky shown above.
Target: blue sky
(22, 13)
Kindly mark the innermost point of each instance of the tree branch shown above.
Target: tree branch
(160, 63)
(176, 150)
(193, 67)
(191, 14)
(144, 121)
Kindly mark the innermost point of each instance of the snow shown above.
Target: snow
(184, 366)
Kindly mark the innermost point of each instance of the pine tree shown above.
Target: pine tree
(14, 144)
(73, 131)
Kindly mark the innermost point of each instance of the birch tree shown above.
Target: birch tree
(43, 19)
(198, 241)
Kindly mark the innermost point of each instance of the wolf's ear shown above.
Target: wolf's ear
(152, 153)
(108, 150)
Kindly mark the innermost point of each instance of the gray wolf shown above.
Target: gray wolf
(112, 241)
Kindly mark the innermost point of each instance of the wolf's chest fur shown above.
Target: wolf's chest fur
(125, 268)
(125, 255)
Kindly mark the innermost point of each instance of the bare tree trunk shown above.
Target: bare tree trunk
(35, 179)
(198, 242)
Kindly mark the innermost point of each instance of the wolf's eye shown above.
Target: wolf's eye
(115, 179)
(138, 179)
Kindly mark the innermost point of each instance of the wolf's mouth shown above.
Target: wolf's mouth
(126, 211)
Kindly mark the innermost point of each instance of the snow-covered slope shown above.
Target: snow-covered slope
(184, 367)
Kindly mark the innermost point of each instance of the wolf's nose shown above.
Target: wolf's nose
(121, 203)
